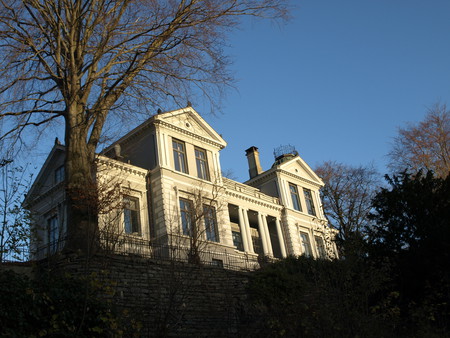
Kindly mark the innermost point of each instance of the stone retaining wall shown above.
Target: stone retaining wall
(167, 298)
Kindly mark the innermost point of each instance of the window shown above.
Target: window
(321, 247)
(179, 156)
(306, 245)
(309, 202)
(202, 164)
(131, 215)
(295, 198)
(237, 240)
(186, 216)
(53, 233)
(59, 174)
(217, 262)
(209, 214)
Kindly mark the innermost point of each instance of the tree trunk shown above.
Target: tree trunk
(81, 188)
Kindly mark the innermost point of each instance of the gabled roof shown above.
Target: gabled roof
(295, 167)
(185, 119)
(57, 150)
(189, 120)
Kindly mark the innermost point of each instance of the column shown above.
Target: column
(266, 229)
(249, 233)
(280, 238)
(243, 230)
(262, 233)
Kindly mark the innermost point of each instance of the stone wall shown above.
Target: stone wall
(167, 298)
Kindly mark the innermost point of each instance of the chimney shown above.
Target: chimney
(254, 167)
(117, 150)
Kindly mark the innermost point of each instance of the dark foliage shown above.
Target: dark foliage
(302, 297)
(412, 237)
(53, 305)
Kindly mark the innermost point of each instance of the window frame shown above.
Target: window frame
(53, 232)
(295, 197)
(306, 244)
(131, 216)
(60, 174)
(179, 156)
(320, 244)
(309, 200)
(236, 236)
(186, 209)
(210, 223)
(202, 164)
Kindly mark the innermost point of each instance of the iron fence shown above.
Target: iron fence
(18, 254)
(137, 247)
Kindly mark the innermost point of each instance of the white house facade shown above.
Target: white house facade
(162, 184)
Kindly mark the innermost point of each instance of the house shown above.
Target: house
(165, 187)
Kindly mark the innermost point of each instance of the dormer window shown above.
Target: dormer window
(202, 164)
(179, 156)
(59, 174)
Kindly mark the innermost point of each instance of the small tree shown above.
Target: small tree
(14, 228)
(194, 220)
(346, 198)
(425, 145)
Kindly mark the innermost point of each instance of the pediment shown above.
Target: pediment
(189, 121)
(298, 167)
(45, 178)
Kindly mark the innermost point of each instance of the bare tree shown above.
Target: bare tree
(425, 145)
(14, 227)
(82, 60)
(347, 197)
(194, 223)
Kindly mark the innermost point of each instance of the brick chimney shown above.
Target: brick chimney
(254, 166)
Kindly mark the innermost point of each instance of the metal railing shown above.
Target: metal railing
(111, 243)
(19, 254)
(179, 252)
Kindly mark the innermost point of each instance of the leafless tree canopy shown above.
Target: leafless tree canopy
(425, 145)
(83, 59)
(347, 196)
(93, 56)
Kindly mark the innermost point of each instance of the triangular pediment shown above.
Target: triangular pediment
(298, 167)
(45, 178)
(189, 121)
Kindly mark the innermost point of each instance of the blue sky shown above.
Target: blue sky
(336, 81)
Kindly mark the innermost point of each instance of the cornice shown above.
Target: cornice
(272, 172)
(40, 197)
(189, 133)
(124, 167)
(300, 178)
(253, 200)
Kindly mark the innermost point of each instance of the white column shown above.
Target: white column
(243, 230)
(262, 233)
(249, 233)
(280, 237)
(266, 229)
